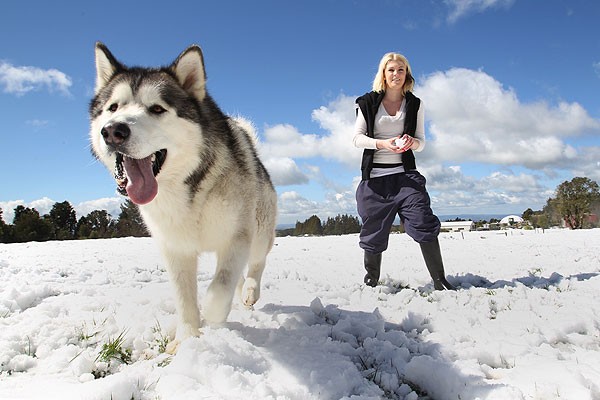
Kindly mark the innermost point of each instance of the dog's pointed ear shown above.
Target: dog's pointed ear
(189, 69)
(106, 66)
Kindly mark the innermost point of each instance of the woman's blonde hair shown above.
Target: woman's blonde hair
(379, 84)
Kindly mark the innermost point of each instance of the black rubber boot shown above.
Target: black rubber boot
(373, 267)
(435, 265)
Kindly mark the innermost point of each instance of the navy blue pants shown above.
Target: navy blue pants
(380, 199)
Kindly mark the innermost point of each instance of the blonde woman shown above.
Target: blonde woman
(390, 127)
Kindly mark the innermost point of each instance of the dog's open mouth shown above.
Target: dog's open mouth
(136, 178)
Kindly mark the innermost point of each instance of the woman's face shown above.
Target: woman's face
(395, 74)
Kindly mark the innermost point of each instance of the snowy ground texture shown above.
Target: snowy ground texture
(525, 324)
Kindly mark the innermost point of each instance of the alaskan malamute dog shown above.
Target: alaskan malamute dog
(193, 172)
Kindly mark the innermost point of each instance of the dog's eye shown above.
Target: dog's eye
(157, 109)
(113, 107)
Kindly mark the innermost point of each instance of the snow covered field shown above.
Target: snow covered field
(525, 324)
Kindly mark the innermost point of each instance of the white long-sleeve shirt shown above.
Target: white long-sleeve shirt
(386, 127)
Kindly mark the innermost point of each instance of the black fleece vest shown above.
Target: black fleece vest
(369, 104)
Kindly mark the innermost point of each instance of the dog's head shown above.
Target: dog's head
(142, 119)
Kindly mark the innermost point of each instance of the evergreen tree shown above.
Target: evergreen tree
(98, 223)
(299, 229)
(2, 228)
(351, 224)
(329, 228)
(130, 222)
(527, 214)
(575, 200)
(29, 226)
(83, 229)
(6, 230)
(551, 213)
(537, 219)
(64, 219)
(341, 225)
(311, 226)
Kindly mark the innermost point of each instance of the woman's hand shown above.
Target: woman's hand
(390, 144)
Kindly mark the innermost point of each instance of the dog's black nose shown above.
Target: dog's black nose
(115, 134)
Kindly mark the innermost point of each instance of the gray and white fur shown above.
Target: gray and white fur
(194, 173)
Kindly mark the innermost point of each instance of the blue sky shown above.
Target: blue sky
(510, 90)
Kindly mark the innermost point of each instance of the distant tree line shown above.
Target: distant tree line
(338, 225)
(576, 205)
(61, 223)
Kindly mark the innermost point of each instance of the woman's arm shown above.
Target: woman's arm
(361, 140)
(419, 142)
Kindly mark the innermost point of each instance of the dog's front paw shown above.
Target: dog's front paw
(172, 347)
(250, 292)
(184, 331)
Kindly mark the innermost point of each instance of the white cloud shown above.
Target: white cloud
(588, 163)
(452, 190)
(462, 8)
(293, 207)
(284, 171)
(21, 80)
(451, 178)
(512, 183)
(111, 204)
(473, 118)
(42, 206)
(337, 119)
(287, 141)
(8, 208)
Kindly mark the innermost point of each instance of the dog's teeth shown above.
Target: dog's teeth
(153, 158)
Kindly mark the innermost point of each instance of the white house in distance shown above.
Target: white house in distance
(457, 226)
(510, 220)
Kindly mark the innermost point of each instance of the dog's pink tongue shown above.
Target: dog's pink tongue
(141, 183)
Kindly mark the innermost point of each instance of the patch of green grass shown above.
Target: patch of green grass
(165, 362)
(161, 339)
(86, 333)
(112, 353)
(113, 350)
(29, 351)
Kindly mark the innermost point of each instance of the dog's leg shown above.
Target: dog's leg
(240, 287)
(251, 289)
(182, 271)
(216, 304)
